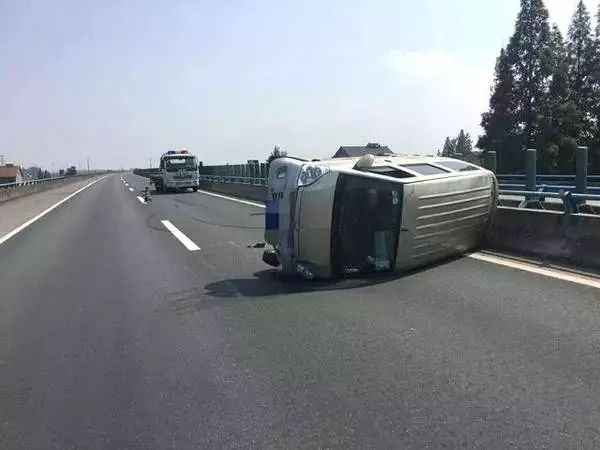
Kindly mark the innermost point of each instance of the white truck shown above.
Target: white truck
(178, 170)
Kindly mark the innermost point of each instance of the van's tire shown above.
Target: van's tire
(195, 189)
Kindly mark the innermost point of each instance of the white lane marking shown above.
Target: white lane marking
(233, 199)
(552, 273)
(142, 201)
(186, 241)
(131, 189)
(127, 184)
(20, 228)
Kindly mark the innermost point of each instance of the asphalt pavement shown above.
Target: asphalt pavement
(114, 335)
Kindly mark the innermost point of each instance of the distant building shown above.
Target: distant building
(373, 148)
(32, 173)
(9, 173)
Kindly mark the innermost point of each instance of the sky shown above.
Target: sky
(120, 82)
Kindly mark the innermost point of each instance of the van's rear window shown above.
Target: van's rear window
(425, 169)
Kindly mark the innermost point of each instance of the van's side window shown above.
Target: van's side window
(425, 169)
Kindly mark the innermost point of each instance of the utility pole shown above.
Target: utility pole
(88, 165)
(1, 160)
(150, 161)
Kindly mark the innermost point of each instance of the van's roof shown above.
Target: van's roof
(386, 160)
(442, 166)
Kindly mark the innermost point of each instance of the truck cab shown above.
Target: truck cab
(178, 170)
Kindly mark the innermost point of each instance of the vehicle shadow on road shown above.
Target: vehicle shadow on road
(271, 283)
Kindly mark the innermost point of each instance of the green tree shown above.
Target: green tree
(559, 119)
(500, 122)
(530, 56)
(580, 53)
(515, 119)
(595, 103)
(449, 147)
(464, 145)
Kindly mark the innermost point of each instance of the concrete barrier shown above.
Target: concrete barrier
(22, 191)
(552, 235)
(247, 191)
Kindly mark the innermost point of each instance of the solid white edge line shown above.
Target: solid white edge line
(233, 199)
(131, 189)
(186, 241)
(552, 273)
(20, 228)
(142, 201)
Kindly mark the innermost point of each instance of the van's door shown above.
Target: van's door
(366, 224)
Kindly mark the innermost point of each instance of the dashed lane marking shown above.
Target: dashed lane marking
(131, 189)
(20, 228)
(233, 199)
(142, 201)
(552, 273)
(186, 241)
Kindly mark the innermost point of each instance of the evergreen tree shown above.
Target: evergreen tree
(559, 120)
(595, 102)
(499, 123)
(464, 145)
(276, 153)
(580, 59)
(449, 148)
(529, 53)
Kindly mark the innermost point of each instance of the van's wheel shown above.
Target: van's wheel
(195, 189)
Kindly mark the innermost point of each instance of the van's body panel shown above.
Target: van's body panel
(354, 220)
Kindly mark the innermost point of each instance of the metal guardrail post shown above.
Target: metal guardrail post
(490, 161)
(531, 201)
(530, 169)
(581, 170)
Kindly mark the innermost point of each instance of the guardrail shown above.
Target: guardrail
(9, 191)
(572, 202)
(234, 179)
(32, 182)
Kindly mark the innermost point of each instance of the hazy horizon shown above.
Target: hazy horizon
(122, 82)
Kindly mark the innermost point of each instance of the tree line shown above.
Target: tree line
(546, 93)
(459, 147)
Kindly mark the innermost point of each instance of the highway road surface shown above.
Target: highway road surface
(132, 325)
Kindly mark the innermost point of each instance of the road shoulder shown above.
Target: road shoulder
(18, 211)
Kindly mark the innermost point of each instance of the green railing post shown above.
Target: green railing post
(490, 161)
(530, 169)
(581, 170)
